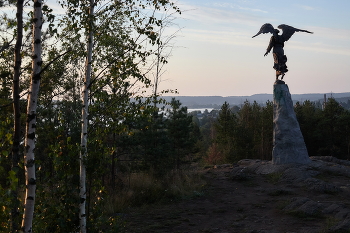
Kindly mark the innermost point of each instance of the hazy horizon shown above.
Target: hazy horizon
(179, 95)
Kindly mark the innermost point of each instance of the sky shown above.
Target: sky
(215, 54)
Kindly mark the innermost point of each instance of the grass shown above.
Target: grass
(274, 177)
(330, 222)
(146, 188)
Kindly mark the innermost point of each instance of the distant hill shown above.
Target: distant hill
(217, 101)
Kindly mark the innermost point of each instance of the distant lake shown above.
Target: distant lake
(199, 109)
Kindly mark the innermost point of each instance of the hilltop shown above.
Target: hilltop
(257, 197)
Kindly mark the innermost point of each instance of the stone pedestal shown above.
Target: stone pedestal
(288, 141)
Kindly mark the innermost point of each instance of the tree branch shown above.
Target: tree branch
(55, 59)
(6, 45)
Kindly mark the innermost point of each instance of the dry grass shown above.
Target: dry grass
(274, 177)
(144, 188)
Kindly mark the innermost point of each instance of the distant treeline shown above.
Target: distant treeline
(234, 133)
(216, 102)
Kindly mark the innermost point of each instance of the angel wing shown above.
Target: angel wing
(288, 31)
(265, 29)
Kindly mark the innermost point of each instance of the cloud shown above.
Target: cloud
(305, 7)
(252, 9)
(320, 48)
(243, 38)
(235, 6)
(328, 40)
(332, 33)
(212, 36)
(211, 16)
(226, 26)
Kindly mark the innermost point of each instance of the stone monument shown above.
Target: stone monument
(288, 141)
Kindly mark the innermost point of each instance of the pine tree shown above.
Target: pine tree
(331, 129)
(226, 129)
(179, 130)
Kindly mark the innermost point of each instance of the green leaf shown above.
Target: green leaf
(4, 153)
(13, 179)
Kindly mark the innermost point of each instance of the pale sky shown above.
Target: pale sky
(215, 53)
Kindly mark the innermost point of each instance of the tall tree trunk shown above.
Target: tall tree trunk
(29, 141)
(17, 115)
(85, 113)
(157, 77)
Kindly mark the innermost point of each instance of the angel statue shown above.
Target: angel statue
(277, 43)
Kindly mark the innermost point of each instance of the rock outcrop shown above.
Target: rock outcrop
(315, 190)
(288, 141)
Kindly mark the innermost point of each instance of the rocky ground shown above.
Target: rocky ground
(256, 196)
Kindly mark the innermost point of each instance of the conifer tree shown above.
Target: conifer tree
(179, 130)
(226, 128)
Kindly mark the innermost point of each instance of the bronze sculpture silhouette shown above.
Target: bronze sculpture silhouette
(277, 43)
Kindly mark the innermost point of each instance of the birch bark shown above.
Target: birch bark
(29, 141)
(85, 114)
(17, 115)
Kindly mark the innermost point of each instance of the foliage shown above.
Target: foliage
(6, 183)
(181, 132)
(214, 155)
(326, 131)
(159, 143)
(248, 133)
(125, 34)
(120, 148)
(225, 127)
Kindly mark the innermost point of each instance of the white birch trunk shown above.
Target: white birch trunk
(29, 141)
(15, 216)
(84, 130)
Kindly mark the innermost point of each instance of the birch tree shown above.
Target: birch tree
(85, 114)
(115, 37)
(118, 40)
(163, 50)
(17, 115)
(29, 142)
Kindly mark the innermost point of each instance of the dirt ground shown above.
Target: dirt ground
(249, 197)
